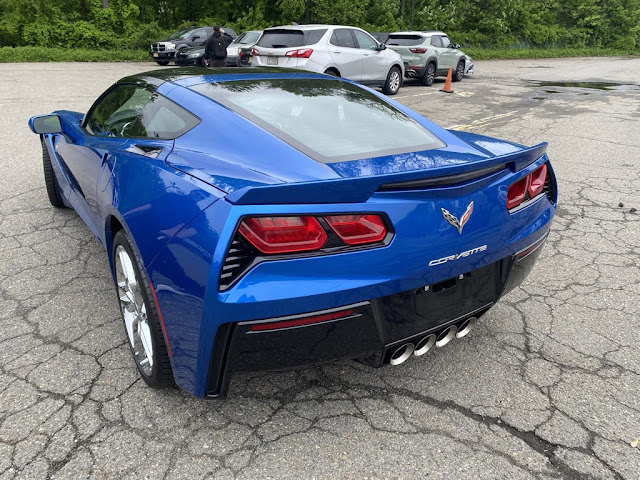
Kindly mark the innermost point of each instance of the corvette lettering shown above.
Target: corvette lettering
(458, 256)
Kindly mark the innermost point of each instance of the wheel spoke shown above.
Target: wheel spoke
(129, 323)
(145, 337)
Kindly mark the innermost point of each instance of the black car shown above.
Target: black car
(166, 50)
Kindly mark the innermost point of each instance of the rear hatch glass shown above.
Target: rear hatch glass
(327, 120)
(404, 40)
(288, 38)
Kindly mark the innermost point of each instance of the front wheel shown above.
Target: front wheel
(164, 63)
(459, 73)
(53, 192)
(393, 82)
(139, 315)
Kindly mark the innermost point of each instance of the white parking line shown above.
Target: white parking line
(483, 121)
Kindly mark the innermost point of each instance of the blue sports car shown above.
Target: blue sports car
(258, 219)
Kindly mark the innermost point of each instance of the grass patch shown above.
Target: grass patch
(57, 54)
(510, 54)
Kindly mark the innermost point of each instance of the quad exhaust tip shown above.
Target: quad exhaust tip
(424, 345)
(446, 335)
(401, 354)
(466, 326)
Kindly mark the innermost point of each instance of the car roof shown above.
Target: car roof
(417, 32)
(309, 27)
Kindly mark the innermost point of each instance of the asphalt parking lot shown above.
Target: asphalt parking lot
(546, 386)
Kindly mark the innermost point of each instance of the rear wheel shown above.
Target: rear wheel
(140, 316)
(393, 82)
(332, 72)
(53, 192)
(459, 73)
(164, 63)
(429, 75)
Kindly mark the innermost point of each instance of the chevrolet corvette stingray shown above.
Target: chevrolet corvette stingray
(259, 219)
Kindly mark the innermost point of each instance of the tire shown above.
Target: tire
(459, 72)
(139, 315)
(53, 192)
(393, 82)
(331, 72)
(163, 63)
(429, 75)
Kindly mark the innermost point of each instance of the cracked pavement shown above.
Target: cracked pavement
(546, 386)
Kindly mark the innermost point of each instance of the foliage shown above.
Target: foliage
(133, 24)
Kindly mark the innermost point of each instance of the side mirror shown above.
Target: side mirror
(382, 47)
(45, 124)
(195, 37)
(455, 45)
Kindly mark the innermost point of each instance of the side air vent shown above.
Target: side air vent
(240, 255)
(549, 187)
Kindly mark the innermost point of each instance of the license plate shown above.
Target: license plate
(272, 60)
(155, 55)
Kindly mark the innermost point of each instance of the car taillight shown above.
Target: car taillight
(357, 229)
(418, 50)
(283, 234)
(527, 188)
(255, 52)
(300, 53)
(536, 181)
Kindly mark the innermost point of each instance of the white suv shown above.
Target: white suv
(332, 49)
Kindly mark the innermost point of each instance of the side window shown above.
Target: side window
(342, 38)
(446, 43)
(130, 111)
(436, 41)
(202, 33)
(365, 41)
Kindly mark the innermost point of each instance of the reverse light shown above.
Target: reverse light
(283, 234)
(300, 53)
(418, 50)
(357, 229)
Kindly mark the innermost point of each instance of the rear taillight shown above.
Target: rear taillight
(527, 188)
(283, 234)
(300, 53)
(418, 50)
(255, 52)
(357, 229)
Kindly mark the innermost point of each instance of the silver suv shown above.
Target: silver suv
(332, 49)
(429, 54)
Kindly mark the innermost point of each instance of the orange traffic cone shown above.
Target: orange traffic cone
(447, 83)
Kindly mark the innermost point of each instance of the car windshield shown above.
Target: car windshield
(179, 34)
(247, 38)
(404, 40)
(328, 120)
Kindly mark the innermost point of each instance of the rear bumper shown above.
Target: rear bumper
(414, 72)
(371, 330)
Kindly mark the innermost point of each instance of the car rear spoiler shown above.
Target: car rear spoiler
(360, 189)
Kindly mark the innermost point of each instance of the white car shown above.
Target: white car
(245, 40)
(337, 50)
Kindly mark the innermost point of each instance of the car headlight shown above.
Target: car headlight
(193, 55)
(171, 46)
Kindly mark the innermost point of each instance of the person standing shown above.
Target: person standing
(215, 52)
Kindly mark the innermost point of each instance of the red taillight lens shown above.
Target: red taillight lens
(283, 234)
(537, 179)
(517, 192)
(418, 50)
(301, 53)
(255, 52)
(357, 229)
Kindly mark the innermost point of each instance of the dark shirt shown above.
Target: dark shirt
(208, 49)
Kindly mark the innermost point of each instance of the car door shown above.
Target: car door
(345, 53)
(375, 62)
(449, 53)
